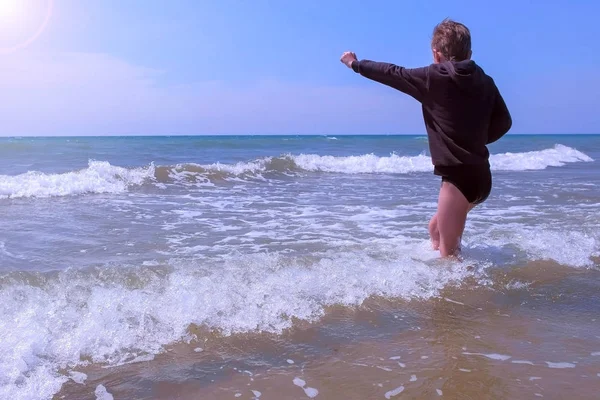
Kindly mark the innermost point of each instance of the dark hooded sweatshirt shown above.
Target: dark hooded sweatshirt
(462, 108)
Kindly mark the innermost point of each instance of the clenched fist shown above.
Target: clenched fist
(347, 58)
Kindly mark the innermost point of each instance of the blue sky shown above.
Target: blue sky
(272, 67)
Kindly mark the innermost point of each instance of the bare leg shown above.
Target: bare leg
(451, 217)
(459, 249)
(434, 233)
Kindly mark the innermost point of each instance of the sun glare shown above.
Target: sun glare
(22, 22)
(9, 8)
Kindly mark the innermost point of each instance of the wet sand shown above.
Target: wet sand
(531, 332)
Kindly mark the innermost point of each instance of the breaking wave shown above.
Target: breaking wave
(102, 177)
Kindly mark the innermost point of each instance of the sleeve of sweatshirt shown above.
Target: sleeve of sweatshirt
(501, 121)
(414, 82)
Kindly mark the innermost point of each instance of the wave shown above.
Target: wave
(557, 156)
(292, 164)
(367, 163)
(372, 164)
(102, 177)
(111, 316)
(98, 177)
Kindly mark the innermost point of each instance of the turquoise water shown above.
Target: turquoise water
(60, 154)
(110, 247)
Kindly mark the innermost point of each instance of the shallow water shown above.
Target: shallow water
(504, 340)
(119, 257)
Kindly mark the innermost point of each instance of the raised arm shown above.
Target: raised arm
(501, 121)
(414, 82)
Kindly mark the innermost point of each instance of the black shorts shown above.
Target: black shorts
(473, 181)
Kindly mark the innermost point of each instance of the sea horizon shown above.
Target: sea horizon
(276, 134)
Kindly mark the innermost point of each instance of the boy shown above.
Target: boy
(463, 112)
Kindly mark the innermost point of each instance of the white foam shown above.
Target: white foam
(394, 392)
(98, 177)
(309, 391)
(256, 393)
(464, 370)
(299, 382)
(135, 360)
(534, 378)
(240, 168)
(77, 314)
(290, 361)
(454, 301)
(536, 160)
(565, 247)
(198, 349)
(78, 377)
(413, 378)
(102, 177)
(39, 383)
(439, 392)
(560, 365)
(102, 394)
(517, 285)
(557, 156)
(522, 362)
(368, 163)
(596, 353)
(492, 356)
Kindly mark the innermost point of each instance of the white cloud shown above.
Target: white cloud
(84, 93)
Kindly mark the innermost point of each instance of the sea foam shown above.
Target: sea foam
(124, 314)
(102, 177)
(98, 177)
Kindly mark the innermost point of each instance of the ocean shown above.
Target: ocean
(291, 267)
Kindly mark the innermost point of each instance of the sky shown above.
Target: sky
(193, 67)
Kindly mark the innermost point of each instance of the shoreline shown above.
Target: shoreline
(470, 342)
